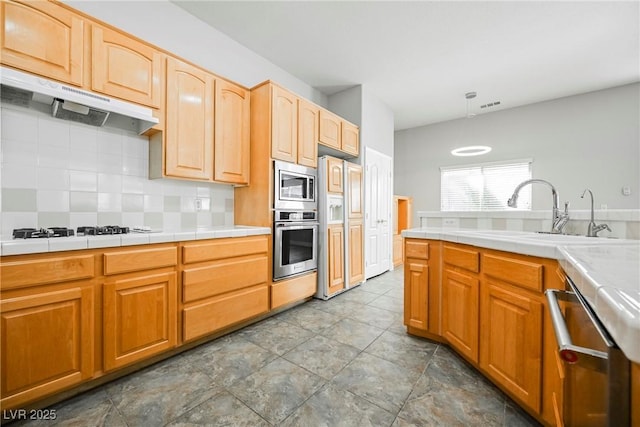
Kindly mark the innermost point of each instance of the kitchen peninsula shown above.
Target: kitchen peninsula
(482, 292)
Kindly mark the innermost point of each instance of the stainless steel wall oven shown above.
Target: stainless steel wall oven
(295, 243)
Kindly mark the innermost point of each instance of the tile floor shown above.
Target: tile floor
(343, 362)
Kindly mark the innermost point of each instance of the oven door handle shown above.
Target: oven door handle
(568, 351)
(295, 225)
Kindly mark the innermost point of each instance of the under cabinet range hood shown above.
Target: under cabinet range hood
(70, 103)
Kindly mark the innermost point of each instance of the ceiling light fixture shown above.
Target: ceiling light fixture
(471, 150)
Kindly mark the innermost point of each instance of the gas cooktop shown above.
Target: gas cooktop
(102, 230)
(40, 233)
(36, 233)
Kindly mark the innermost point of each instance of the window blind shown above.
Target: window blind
(484, 187)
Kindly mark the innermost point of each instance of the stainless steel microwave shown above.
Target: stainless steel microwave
(295, 187)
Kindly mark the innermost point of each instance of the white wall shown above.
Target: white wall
(377, 124)
(171, 28)
(590, 140)
(361, 107)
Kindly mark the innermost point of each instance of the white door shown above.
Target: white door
(378, 200)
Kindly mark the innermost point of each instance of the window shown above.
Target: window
(484, 187)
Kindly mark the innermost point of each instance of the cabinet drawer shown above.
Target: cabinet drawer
(140, 259)
(463, 258)
(49, 270)
(225, 276)
(223, 248)
(223, 311)
(416, 249)
(525, 274)
(291, 290)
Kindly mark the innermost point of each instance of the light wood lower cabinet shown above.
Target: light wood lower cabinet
(494, 314)
(224, 282)
(47, 340)
(511, 337)
(336, 258)
(356, 252)
(287, 291)
(206, 317)
(635, 394)
(460, 311)
(139, 318)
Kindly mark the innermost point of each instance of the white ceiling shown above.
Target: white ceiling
(421, 57)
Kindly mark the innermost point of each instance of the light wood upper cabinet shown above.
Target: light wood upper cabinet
(232, 144)
(350, 138)
(338, 133)
(308, 119)
(43, 38)
(284, 126)
(334, 175)
(125, 68)
(189, 126)
(336, 258)
(330, 130)
(47, 341)
(355, 183)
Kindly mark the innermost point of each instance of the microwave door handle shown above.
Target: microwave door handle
(568, 351)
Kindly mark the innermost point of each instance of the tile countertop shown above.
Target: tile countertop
(32, 246)
(606, 271)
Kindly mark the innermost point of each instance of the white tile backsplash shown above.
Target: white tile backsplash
(82, 175)
(109, 202)
(19, 176)
(83, 181)
(17, 126)
(53, 201)
(109, 183)
(53, 179)
(53, 132)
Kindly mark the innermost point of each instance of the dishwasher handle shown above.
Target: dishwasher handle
(569, 352)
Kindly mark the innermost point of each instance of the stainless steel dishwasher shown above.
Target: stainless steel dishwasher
(596, 389)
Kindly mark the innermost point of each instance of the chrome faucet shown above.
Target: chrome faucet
(560, 219)
(593, 229)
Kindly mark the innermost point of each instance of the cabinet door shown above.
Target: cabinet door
(189, 133)
(460, 304)
(350, 138)
(43, 38)
(397, 250)
(336, 258)
(356, 252)
(416, 293)
(47, 342)
(334, 175)
(139, 318)
(284, 126)
(330, 131)
(308, 116)
(125, 68)
(231, 147)
(354, 182)
(511, 336)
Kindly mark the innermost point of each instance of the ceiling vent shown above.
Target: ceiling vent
(490, 104)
